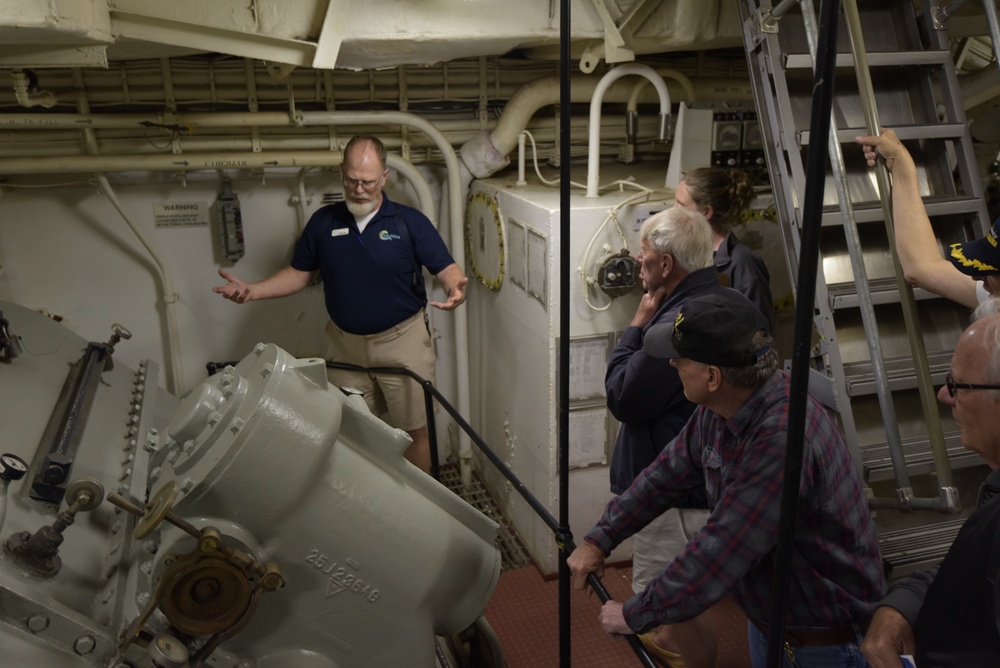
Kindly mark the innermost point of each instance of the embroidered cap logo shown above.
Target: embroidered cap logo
(678, 334)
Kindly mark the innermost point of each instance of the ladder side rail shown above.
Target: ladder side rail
(784, 158)
(948, 499)
(865, 305)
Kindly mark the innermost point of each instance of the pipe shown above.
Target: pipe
(666, 73)
(422, 189)
(169, 162)
(300, 200)
(27, 93)
(632, 113)
(169, 296)
(119, 142)
(593, 154)
(521, 140)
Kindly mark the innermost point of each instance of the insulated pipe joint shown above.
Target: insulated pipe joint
(27, 93)
(481, 156)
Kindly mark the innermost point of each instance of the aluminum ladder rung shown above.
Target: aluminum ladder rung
(905, 133)
(934, 58)
(882, 290)
(899, 373)
(919, 547)
(877, 463)
(871, 212)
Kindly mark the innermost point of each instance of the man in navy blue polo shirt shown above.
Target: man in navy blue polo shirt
(369, 251)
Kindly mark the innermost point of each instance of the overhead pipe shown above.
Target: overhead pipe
(487, 153)
(593, 153)
(120, 142)
(632, 111)
(521, 106)
(26, 91)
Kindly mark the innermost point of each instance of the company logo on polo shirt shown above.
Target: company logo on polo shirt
(385, 236)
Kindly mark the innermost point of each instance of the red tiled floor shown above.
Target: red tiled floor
(524, 613)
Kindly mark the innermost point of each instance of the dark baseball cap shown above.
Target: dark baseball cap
(979, 257)
(713, 329)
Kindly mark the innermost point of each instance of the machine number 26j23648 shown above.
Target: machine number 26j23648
(340, 579)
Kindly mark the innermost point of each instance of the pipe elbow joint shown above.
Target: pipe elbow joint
(481, 156)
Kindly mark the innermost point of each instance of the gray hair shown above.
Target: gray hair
(987, 308)
(684, 234)
(373, 141)
(758, 374)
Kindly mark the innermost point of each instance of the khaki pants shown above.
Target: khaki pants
(406, 345)
(661, 541)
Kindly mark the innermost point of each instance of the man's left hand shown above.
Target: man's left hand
(456, 295)
(613, 619)
(648, 306)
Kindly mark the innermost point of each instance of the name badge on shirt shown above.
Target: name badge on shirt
(339, 232)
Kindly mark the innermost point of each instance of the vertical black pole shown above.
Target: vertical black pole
(564, 539)
(812, 212)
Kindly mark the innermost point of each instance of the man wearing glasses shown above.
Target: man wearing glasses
(948, 616)
(370, 252)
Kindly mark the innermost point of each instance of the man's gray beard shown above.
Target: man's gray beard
(359, 209)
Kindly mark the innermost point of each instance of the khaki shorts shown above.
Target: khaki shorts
(406, 345)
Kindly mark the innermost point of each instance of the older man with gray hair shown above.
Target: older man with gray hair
(730, 456)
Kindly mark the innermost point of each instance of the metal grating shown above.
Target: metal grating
(512, 552)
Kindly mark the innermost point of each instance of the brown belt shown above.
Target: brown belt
(813, 637)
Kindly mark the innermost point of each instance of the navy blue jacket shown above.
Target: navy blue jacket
(746, 273)
(368, 277)
(645, 393)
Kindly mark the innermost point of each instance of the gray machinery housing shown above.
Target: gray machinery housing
(263, 519)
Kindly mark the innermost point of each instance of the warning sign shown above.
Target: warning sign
(180, 214)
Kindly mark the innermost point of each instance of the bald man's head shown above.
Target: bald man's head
(976, 363)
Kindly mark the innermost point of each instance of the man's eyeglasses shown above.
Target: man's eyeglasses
(949, 382)
(367, 185)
